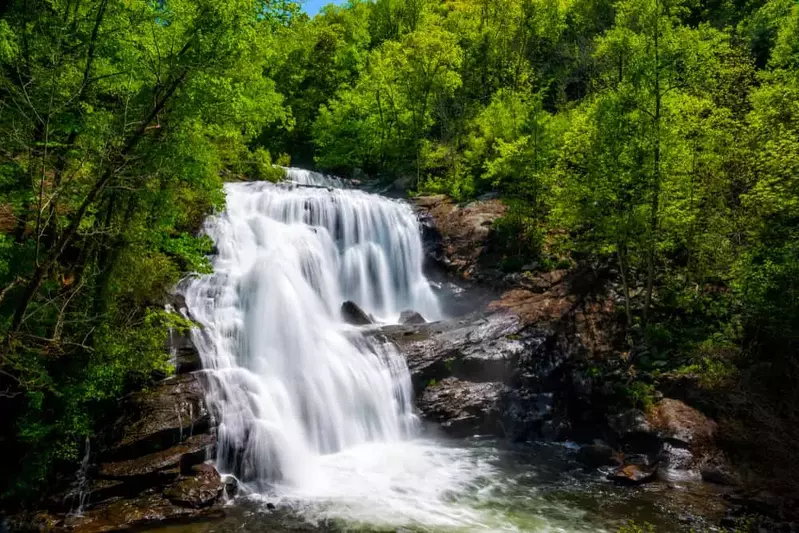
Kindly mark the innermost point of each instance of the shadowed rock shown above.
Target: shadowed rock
(351, 313)
(598, 454)
(159, 418)
(464, 408)
(176, 459)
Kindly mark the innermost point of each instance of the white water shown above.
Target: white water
(310, 412)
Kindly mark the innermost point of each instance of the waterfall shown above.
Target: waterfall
(288, 380)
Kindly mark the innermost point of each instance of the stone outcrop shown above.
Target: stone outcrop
(156, 419)
(464, 408)
(459, 237)
(522, 367)
(152, 466)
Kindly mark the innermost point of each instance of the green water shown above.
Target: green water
(531, 488)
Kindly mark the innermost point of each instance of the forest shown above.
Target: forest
(657, 137)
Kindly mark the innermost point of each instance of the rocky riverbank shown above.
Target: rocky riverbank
(152, 465)
(540, 362)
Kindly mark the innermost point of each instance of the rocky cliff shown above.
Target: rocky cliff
(152, 465)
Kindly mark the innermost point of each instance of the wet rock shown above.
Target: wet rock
(187, 357)
(133, 513)
(201, 490)
(411, 317)
(351, 313)
(632, 421)
(528, 415)
(477, 348)
(762, 502)
(464, 408)
(634, 474)
(101, 490)
(164, 463)
(598, 454)
(159, 418)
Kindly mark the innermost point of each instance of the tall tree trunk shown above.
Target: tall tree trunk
(654, 215)
(69, 234)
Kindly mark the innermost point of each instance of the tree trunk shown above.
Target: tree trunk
(69, 234)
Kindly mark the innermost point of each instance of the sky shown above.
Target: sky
(312, 7)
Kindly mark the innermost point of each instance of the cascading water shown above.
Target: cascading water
(312, 413)
(289, 381)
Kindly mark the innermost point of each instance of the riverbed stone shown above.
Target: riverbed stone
(599, 454)
(198, 491)
(634, 474)
(682, 424)
(134, 513)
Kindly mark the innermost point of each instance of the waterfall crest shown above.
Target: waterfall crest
(288, 380)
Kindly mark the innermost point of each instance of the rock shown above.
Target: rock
(634, 474)
(134, 513)
(762, 502)
(203, 489)
(187, 357)
(465, 231)
(598, 454)
(464, 408)
(159, 418)
(720, 474)
(630, 422)
(476, 348)
(411, 317)
(168, 463)
(351, 313)
(684, 425)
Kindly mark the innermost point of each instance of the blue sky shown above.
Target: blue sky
(312, 7)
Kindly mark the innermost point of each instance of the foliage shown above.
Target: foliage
(655, 138)
(658, 139)
(118, 120)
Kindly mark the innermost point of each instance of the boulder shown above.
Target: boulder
(351, 313)
(411, 317)
(634, 474)
(477, 348)
(717, 470)
(677, 422)
(187, 357)
(159, 418)
(201, 490)
(464, 408)
(630, 422)
(465, 232)
(134, 513)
